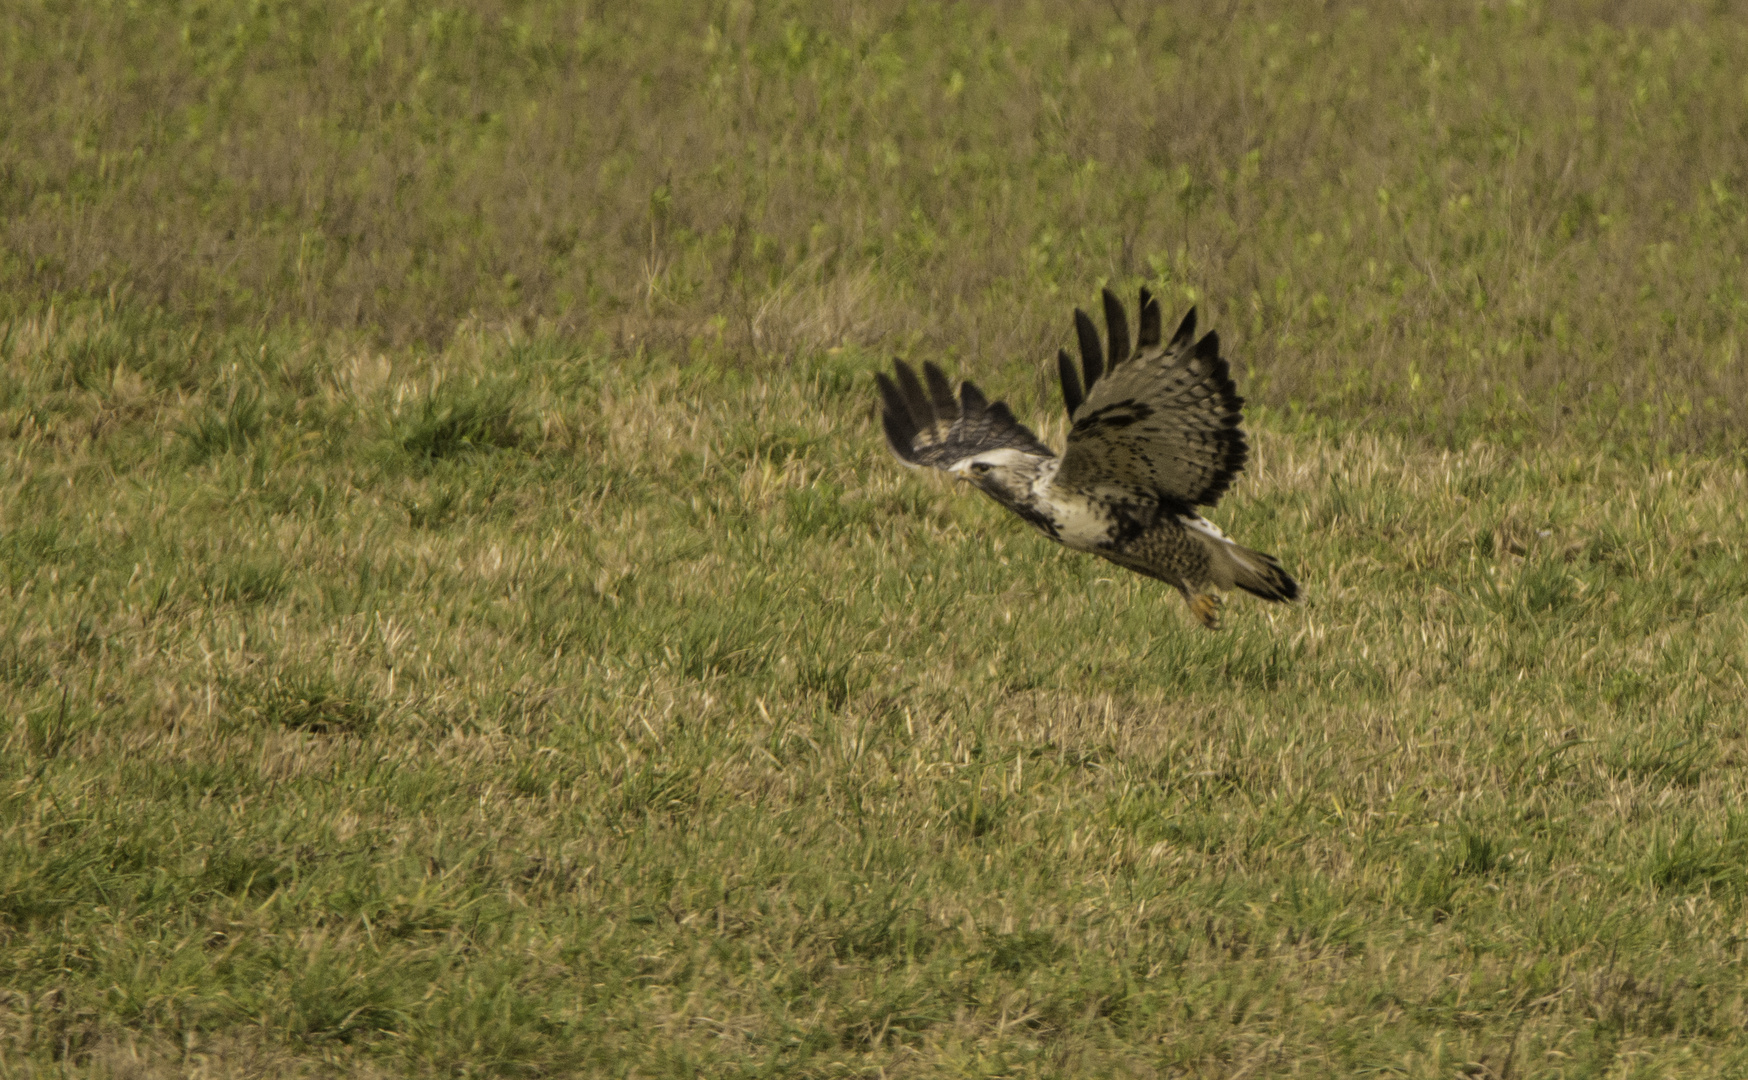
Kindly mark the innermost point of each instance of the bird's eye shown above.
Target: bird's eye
(980, 467)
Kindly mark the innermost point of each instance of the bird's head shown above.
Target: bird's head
(1007, 474)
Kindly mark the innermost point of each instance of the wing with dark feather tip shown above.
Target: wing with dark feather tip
(1159, 421)
(926, 426)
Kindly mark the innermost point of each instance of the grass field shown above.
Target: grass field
(461, 618)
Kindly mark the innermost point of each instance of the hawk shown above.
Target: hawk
(1155, 434)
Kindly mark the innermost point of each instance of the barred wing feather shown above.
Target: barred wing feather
(926, 426)
(1159, 422)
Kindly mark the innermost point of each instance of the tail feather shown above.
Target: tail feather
(1236, 566)
(1260, 575)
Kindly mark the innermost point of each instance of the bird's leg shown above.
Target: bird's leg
(1206, 607)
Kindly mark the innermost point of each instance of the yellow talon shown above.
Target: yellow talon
(1206, 607)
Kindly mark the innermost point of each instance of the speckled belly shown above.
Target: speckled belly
(1167, 551)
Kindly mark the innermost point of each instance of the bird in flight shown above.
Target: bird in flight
(1155, 434)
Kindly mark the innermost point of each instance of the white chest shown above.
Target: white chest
(1080, 523)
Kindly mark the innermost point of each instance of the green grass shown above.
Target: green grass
(458, 615)
(1489, 219)
(650, 720)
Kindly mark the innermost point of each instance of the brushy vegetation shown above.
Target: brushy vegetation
(460, 617)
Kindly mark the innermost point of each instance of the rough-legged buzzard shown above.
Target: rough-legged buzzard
(1155, 435)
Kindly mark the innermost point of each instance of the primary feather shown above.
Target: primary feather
(928, 427)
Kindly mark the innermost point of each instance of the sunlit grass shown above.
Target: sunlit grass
(685, 732)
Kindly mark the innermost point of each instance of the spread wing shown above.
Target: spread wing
(1161, 422)
(928, 427)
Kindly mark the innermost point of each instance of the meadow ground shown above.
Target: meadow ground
(460, 617)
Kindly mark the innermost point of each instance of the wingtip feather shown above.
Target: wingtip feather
(940, 393)
(1186, 331)
(891, 397)
(1072, 394)
(1092, 358)
(916, 399)
(1116, 328)
(898, 437)
(895, 418)
(1150, 322)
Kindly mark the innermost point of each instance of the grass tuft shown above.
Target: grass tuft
(228, 428)
(303, 701)
(449, 421)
